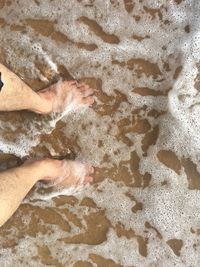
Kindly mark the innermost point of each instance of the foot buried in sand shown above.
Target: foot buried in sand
(66, 96)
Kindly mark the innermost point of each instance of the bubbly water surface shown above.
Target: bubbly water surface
(142, 58)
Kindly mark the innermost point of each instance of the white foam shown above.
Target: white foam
(172, 209)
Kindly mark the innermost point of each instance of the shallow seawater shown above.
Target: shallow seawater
(142, 59)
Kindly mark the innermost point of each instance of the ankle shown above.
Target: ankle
(44, 104)
(50, 169)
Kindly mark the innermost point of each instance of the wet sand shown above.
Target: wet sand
(136, 211)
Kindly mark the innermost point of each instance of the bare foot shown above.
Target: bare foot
(63, 172)
(65, 95)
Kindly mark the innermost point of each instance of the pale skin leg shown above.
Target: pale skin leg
(16, 95)
(17, 182)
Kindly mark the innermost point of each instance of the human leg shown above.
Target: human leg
(16, 95)
(15, 183)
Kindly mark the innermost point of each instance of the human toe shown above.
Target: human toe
(89, 100)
